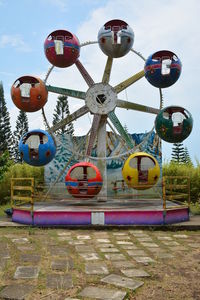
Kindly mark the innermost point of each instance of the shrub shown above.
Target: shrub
(175, 169)
(18, 171)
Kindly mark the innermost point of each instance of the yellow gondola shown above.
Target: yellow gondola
(141, 171)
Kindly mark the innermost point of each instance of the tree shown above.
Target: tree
(5, 163)
(20, 129)
(178, 153)
(62, 111)
(6, 139)
(187, 159)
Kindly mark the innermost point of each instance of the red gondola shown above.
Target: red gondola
(83, 180)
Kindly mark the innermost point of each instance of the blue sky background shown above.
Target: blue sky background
(158, 25)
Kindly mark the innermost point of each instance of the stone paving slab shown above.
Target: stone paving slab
(26, 272)
(33, 258)
(62, 265)
(100, 245)
(115, 256)
(64, 238)
(124, 243)
(135, 273)
(16, 291)
(89, 256)
(73, 243)
(149, 245)
(139, 234)
(194, 245)
(123, 237)
(20, 241)
(136, 253)
(58, 250)
(83, 237)
(156, 250)
(103, 241)
(96, 268)
(26, 248)
(5, 253)
(109, 250)
(178, 248)
(144, 259)
(2, 264)
(164, 255)
(56, 281)
(170, 243)
(84, 248)
(144, 239)
(129, 247)
(102, 293)
(120, 233)
(124, 264)
(164, 238)
(121, 281)
(64, 233)
(180, 236)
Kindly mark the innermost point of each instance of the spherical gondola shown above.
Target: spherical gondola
(173, 124)
(62, 48)
(162, 69)
(37, 147)
(141, 171)
(83, 180)
(29, 93)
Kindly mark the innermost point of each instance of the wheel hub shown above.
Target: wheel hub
(101, 99)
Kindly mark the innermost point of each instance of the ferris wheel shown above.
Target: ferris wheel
(62, 49)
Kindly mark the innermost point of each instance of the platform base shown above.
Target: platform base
(117, 212)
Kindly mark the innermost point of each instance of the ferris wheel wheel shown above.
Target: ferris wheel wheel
(115, 39)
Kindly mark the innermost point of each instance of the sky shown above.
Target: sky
(168, 24)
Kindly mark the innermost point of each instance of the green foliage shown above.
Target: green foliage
(178, 153)
(62, 111)
(5, 163)
(5, 128)
(174, 169)
(18, 171)
(20, 130)
(195, 208)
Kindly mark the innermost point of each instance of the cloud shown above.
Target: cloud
(15, 41)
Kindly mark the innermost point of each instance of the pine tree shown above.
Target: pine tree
(126, 128)
(62, 111)
(178, 153)
(20, 129)
(6, 138)
(187, 159)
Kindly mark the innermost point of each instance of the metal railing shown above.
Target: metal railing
(176, 189)
(173, 192)
(22, 193)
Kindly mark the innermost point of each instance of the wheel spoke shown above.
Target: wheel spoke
(126, 83)
(84, 73)
(138, 107)
(93, 133)
(75, 115)
(113, 118)
(67, 92)
(107, 71)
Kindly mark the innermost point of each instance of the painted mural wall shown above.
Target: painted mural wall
(67, 155)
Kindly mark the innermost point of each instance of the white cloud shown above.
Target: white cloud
(15, 41)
